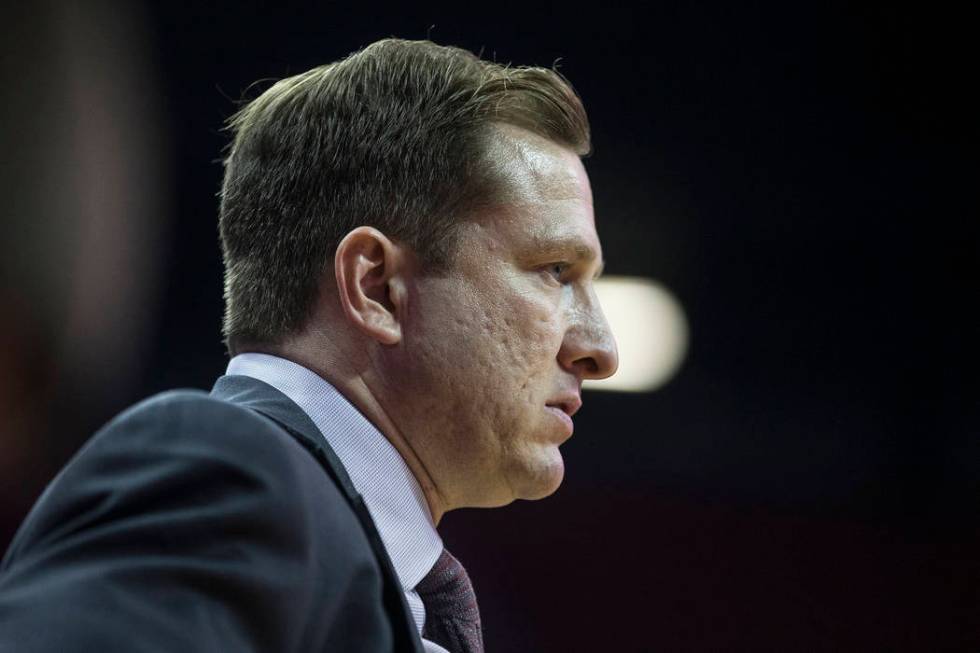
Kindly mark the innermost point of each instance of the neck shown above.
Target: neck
(359, 393)
(357, 390)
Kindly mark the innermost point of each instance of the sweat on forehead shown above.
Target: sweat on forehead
(523, 163)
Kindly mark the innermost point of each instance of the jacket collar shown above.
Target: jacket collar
(264, 399)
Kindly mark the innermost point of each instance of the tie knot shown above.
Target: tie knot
(452, 617)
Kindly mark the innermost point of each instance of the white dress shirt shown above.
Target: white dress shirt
(392, 494)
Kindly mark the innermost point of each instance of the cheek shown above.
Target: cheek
(453, 337)
(498, 341)
(526, 337)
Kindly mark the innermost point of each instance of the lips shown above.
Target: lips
(568, 404)
(567, 426)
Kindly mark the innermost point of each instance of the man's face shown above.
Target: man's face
(496, 350)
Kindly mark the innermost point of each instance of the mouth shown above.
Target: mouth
(563, 408)
(567, 426)
(568, 404)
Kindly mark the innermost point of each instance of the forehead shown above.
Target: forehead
(535, 168)
(546, 196)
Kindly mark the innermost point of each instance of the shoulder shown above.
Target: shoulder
(179, 413)
(187, 509)
(193, 427)
(185, 450)
(193, 430)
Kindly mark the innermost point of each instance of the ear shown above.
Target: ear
(370, 270)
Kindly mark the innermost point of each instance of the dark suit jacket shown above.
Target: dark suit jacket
(196, 522)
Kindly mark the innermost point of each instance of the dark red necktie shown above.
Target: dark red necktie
(452, 618)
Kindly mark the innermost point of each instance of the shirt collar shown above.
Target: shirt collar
(379, 473)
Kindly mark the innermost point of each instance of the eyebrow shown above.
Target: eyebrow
(574, 244)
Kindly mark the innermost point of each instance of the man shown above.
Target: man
(409, 252)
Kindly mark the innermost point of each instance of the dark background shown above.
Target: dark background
(797, 174)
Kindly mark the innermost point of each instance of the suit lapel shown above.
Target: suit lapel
(274, 405)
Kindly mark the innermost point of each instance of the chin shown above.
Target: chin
(544, 479)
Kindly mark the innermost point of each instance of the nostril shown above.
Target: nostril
(606, 363)
(590, 354)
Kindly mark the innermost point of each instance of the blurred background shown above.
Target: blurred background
(797, 176)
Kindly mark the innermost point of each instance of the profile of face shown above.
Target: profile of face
(495, 351)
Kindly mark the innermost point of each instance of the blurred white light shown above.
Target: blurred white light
(650, 329)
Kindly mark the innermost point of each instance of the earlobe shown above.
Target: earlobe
(367, 268)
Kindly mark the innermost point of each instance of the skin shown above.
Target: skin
(473, 375)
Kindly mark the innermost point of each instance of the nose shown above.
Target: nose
(589, 348)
